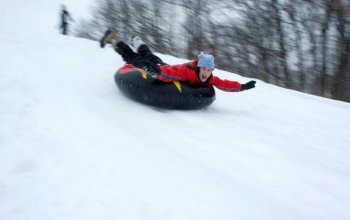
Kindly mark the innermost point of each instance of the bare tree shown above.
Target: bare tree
(342, 63)
(194, 26)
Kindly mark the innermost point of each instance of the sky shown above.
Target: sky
(72, 146)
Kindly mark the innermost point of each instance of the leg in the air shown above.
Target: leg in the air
(145, 51)
(129, 56)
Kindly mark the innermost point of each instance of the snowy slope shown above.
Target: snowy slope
(73, 147)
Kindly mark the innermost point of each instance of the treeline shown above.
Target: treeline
(298, 44)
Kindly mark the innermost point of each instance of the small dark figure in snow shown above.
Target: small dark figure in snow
(195, 72)
(65, 18)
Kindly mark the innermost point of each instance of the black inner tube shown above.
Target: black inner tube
(134, 83)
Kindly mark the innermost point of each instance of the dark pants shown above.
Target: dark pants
(144, 58)
(64, 27)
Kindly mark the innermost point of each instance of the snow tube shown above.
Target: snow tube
(137, 85)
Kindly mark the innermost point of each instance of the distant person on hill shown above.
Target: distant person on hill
(65, 19)
(195, 72)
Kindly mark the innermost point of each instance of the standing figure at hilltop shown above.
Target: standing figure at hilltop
(65, 18)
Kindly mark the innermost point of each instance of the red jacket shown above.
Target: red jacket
(188, 72)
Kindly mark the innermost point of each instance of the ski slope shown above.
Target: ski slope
(73, 147)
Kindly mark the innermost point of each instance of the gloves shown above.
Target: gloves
(248, 85)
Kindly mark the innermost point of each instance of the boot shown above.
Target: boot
(108, 38)
(137, 42)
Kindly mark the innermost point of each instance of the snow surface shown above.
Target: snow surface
(73, 147)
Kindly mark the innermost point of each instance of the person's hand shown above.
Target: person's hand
(248, 85)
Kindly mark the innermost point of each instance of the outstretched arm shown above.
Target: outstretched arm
(231, 86)
(225, 85)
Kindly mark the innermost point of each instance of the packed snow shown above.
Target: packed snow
(73, 147)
